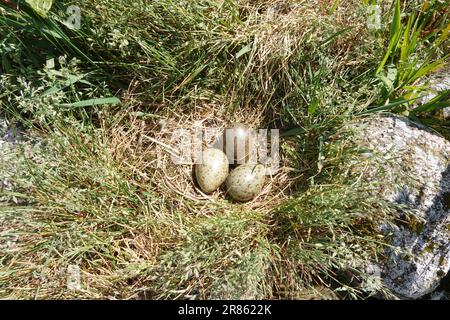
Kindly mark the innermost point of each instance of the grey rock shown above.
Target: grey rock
(5, 155)
(10, 137)
(413, 169)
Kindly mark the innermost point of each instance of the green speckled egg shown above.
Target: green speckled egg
(213, 169)
(246, 181)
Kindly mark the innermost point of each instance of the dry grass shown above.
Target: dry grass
(152, 138)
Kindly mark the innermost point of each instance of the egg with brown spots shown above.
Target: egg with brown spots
(246, 181)
(212, 170)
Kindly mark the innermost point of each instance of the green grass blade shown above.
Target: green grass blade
(396, 24)
(386, 107)
(335, 35)
(91, 102)
(441, 101)
(425, 69)
(395, 33)
(406, 45)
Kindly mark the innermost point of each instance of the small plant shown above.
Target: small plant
(415, 50)
(51, 93)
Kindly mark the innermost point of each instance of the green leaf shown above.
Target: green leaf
(396, 24)
(426, 68)
(41, 7)
(335, 35)
(243, 51)
(395, 30)
(335, 5)
(312, 108)
(445, 34)
(91, 102)
(406, 45)
(5, 64)
(298, 131)
(386, 107)
(52, 33)
(293, 132)
(389, 78)
(72, 79)
(440, 101)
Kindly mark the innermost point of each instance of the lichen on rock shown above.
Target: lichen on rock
(411, 168)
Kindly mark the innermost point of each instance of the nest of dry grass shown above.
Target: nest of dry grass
(156, 151)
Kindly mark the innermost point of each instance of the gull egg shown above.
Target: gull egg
(212, 170)
(238, 143)
(246, 181)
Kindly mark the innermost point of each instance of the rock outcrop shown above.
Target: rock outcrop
(11, 166)
(413, 169)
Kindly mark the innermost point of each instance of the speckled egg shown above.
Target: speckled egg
(213, 169)
(246, 181)
(239, 136)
